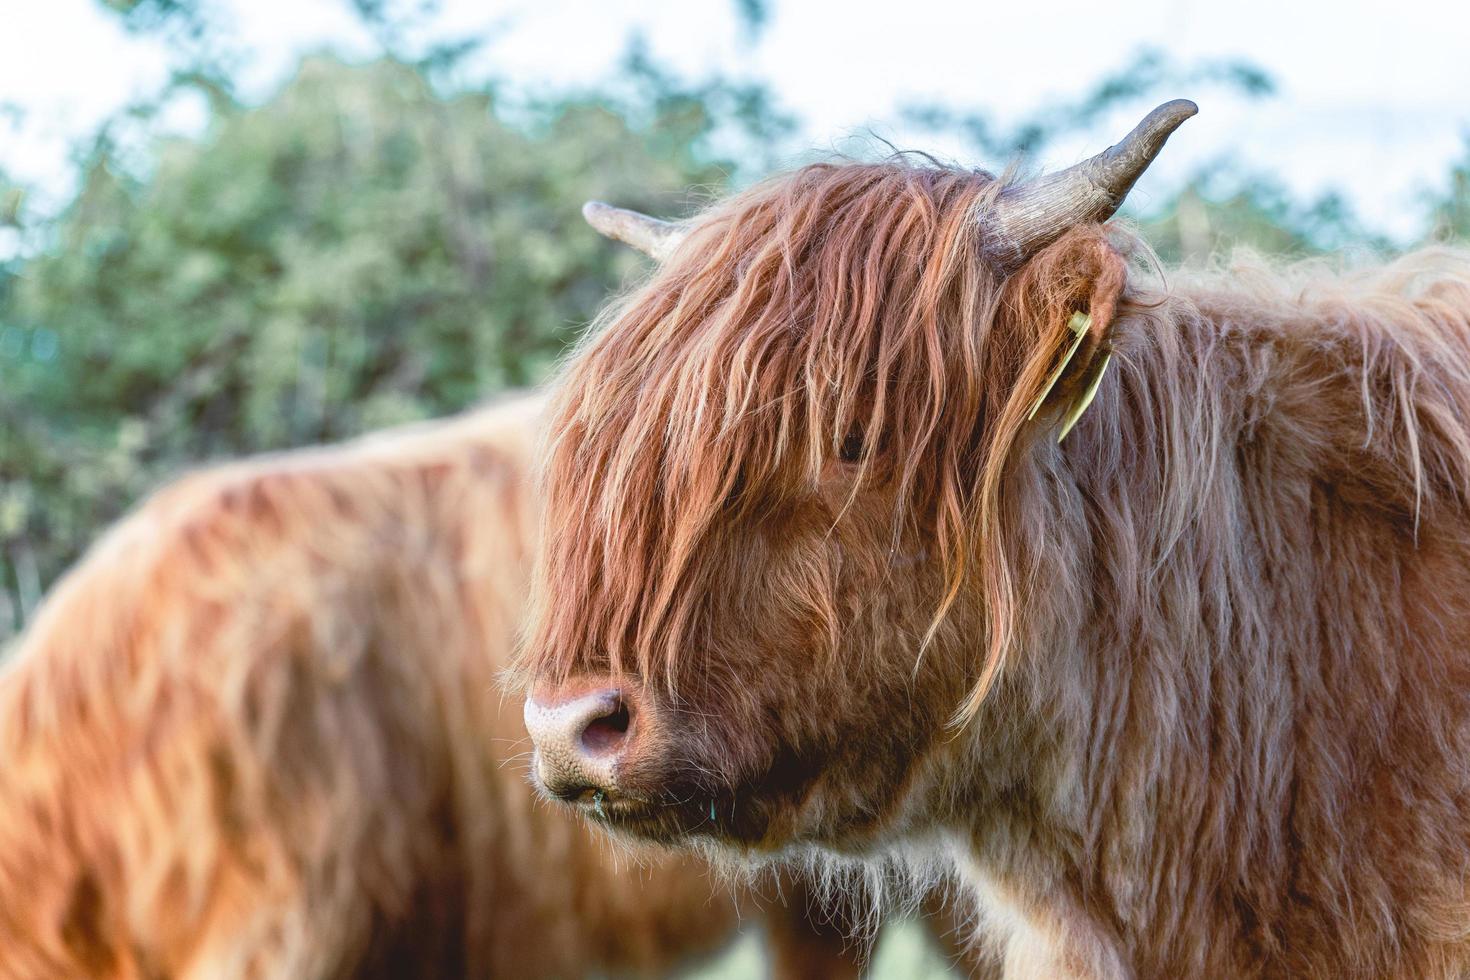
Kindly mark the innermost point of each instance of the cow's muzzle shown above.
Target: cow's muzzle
(581, 741)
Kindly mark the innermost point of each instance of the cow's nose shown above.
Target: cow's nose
(580, 740)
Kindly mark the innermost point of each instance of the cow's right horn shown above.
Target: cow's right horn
(1031, 216)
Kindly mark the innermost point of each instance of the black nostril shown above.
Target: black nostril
(607, 732)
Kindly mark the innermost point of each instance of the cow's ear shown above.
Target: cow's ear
(1064, 301)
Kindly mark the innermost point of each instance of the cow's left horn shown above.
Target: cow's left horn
(654, 238)
(1031, 216)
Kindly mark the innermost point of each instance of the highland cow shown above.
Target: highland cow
(257, 733)
(1184, 693)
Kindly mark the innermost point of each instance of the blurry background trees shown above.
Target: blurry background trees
(364, 249)
(389, 241)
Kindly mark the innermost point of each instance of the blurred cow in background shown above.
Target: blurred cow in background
(257, 733)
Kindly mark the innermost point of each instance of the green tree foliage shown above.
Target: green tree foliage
(360, 251)
(1212, 215)
(1450, 209)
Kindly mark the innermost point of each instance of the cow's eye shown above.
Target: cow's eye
(852, 446)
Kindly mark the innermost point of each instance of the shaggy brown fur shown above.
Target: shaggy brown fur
(1186, 695)
(257, 734)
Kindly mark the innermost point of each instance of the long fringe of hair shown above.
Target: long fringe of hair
(839, 298)
(854, 296)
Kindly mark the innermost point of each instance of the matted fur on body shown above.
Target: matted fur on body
(1190, 691)
(257, 733)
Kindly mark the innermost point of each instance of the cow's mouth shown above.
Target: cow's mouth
(666, 821)
(678, 817)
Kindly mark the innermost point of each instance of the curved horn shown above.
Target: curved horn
(1026, 218)
(654, 238)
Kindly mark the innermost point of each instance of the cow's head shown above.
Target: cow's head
(775, 561)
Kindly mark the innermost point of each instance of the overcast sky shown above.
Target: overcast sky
(1374, 98)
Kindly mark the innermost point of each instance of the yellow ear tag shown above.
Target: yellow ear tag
(1078, 325)
(1085, 399)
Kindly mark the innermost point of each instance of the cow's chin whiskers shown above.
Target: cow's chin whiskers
(891, 881)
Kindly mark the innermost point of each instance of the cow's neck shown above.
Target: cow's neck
(1231, 559)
